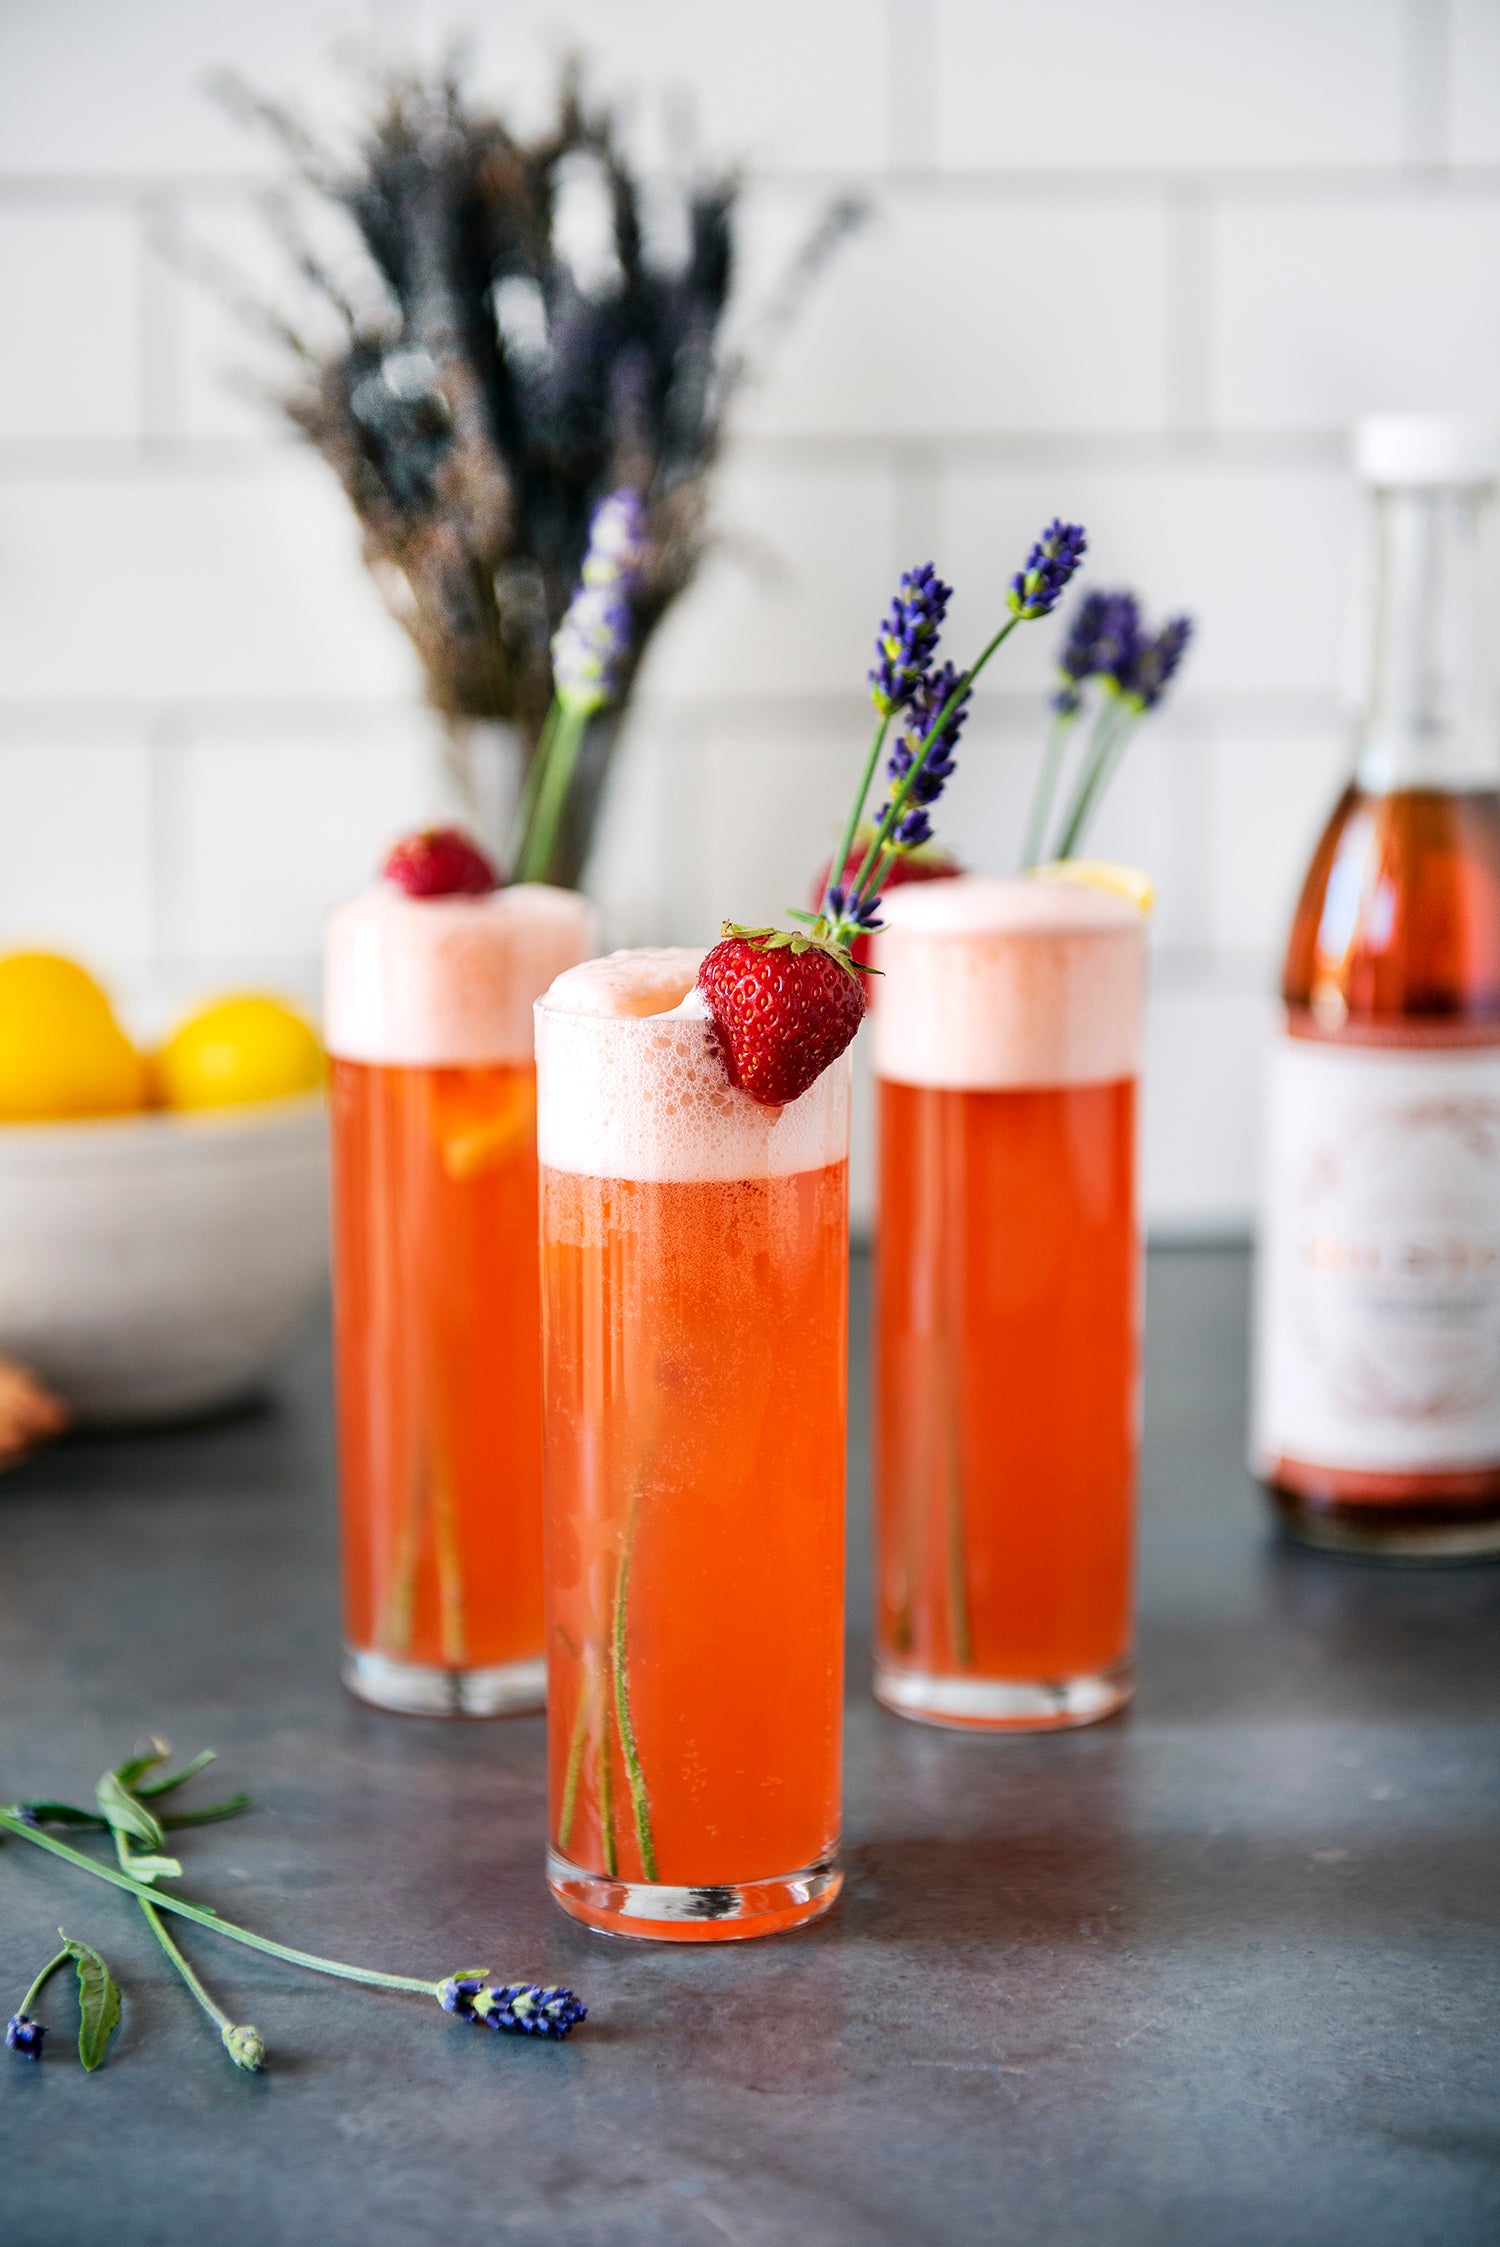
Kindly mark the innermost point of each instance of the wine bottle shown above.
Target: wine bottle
(1377, 1388)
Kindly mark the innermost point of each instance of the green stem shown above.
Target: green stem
(153, 1920)
(1110, 734)
(577, 1742)
(535, 861)
(608, 1847)
(42, 1980)
(902, 795)
(202, 1917)
(526, 808)
(639, 1801)
(836, 870)
(1046, 788)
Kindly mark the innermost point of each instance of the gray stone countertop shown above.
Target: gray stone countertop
(1223, 1971)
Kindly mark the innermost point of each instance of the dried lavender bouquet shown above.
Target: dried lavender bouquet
(481, 404)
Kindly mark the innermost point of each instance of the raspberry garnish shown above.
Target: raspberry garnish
(440, 862)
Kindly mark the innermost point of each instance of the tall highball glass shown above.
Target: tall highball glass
(1008, 1031)
(436, 1302)
(694, 1290)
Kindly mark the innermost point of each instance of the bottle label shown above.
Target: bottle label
(1378, 1314)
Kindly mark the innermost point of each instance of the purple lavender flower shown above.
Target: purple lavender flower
(529, 2009)
(24, 2035)
(458, 1993)
(907, 640)
(861, 915)
(1101, 643)
(1036, 589)
(592, 642)
(617, 541)
(589, 647)
(1154, 662)
(915, 827)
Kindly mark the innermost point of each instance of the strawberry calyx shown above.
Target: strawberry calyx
(817, 937)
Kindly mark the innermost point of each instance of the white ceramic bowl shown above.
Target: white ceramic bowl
(150, 1266)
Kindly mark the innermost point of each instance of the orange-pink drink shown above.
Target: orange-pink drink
(694, 1261)
(1008, 1036)
(437, 1309)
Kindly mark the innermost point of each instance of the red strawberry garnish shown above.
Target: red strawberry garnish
(440, 862)
(929, 864)
(784, 1007)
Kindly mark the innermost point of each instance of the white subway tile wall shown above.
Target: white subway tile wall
(1141, 266)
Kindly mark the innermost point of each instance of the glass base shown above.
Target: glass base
(991, 1704)
(1384, 1533)
(732, 1914)
(421, 1689)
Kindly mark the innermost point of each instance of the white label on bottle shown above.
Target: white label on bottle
(1378, 1317)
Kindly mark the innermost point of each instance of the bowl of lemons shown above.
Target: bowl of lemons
(163, 1214)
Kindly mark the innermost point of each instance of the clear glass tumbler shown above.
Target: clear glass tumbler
(694, 1291)
(437, 1309)
(1008, 1029)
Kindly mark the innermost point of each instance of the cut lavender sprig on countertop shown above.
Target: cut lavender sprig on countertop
(528, 2008)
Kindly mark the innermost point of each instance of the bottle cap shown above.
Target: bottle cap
(1425, 449)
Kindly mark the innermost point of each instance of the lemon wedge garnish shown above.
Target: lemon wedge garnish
(1101, 873)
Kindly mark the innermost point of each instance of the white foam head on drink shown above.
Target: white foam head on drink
(446, 982)
(631, 1083)
(999, 985)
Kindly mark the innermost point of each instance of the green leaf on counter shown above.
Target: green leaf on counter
(173, 1778)
(151, 1867)
(61, 1814)
(210, 1814)
(98, 2001)
(124, 1813)
(136, 1767)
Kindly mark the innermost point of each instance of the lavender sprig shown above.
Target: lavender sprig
(1106, 641)
(940, 691)
(907, 640)
(512, 2004)
(1034, 592)
(590, 652)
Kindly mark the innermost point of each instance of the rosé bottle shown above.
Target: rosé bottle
(694, 1288)
(436, 1304)
(1377, 1390)
(1007, 1048)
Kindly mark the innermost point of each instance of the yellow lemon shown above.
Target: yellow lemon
(62, 1053)
(238, 1050)
(1101, 873)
